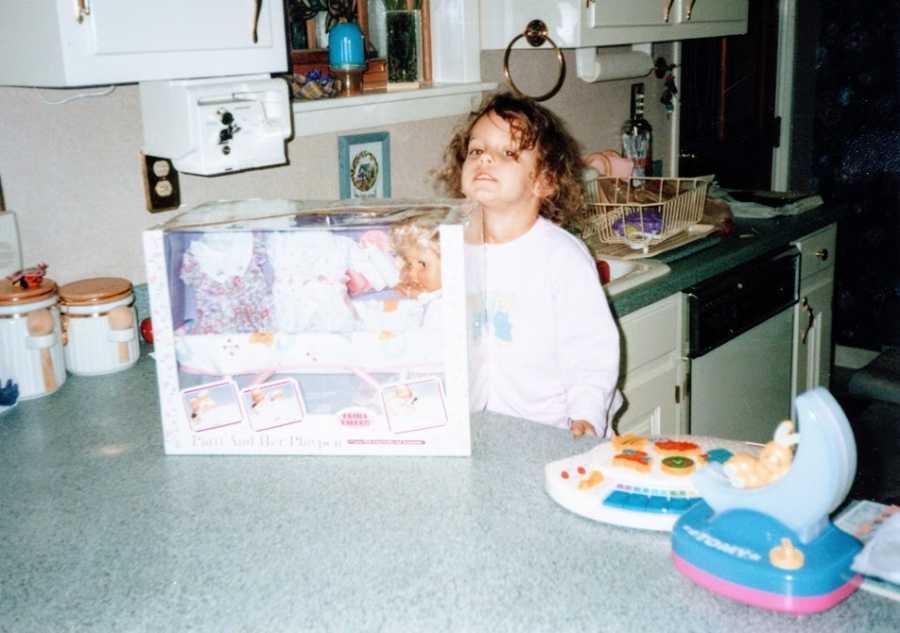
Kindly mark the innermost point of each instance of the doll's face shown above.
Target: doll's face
(421, 269)
(497, 173)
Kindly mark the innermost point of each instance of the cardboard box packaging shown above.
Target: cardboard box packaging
(286, 327)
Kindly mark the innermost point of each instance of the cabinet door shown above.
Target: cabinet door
(123, 26)
(654, 373)
(59, 43)
(652, 401)
(812, 338)
(633, 13)
(712, 10)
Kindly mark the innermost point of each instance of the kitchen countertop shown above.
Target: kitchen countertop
(100, 531)
(714, 254)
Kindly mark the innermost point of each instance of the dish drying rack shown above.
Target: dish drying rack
(641, 213)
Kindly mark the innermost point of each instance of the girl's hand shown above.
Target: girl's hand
(582, 427)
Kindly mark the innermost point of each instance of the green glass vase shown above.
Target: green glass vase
(404, 48)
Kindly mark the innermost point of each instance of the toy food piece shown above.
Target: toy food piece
(595, 479)
(678, 465)
(786, 556)
(629, 440)
(633, 459)
(672, 447)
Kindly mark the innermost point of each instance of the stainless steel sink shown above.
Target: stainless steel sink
(628, 274)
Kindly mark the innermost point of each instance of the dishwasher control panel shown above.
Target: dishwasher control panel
(727, 305)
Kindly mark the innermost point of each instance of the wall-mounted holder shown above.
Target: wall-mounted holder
(593, 64)
(536, 33)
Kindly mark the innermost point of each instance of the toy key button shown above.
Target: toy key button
(658, 504)
(618, 499)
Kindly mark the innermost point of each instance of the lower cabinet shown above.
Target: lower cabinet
(653, 374)
(813, 315)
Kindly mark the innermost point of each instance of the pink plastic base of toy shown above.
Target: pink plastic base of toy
(765, 599)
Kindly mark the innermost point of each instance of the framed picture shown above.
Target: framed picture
(364, 169)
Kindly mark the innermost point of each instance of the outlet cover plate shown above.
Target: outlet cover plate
(162, 191)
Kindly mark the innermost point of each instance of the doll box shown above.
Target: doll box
(287, 327)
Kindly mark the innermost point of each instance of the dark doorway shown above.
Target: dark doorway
(728, 125)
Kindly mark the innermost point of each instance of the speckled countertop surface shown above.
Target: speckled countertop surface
(100, 531)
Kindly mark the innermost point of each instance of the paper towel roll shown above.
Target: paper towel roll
(593, 64)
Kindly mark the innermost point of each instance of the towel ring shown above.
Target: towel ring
(536, 33)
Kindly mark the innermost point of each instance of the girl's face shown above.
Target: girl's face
(498, 174)
(422, 269)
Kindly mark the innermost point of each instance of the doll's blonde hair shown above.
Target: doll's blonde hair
(421, 231)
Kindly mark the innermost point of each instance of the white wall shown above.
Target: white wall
(72, 172)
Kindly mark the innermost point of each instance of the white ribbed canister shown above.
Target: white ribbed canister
(30, 346)
(99, 326)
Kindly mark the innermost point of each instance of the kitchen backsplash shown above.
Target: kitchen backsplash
(72, 172)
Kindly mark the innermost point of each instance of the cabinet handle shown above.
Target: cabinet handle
(690, 9)
(256, 11)
(812, 317)
(822, 254)
(83, 11)
(669, 10)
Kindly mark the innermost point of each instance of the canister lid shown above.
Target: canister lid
(93, 291)
(13, 294)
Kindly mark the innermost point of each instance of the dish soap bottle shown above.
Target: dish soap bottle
(637, 138)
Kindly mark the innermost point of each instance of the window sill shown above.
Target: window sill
(376, 109)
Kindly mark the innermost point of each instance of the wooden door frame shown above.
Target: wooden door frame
(784, 98)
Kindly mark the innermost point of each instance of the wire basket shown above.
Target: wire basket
(641, 212)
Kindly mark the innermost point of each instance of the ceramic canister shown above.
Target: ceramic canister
(99, 325)
(30, 345)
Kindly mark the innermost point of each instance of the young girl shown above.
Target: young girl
(553, 348)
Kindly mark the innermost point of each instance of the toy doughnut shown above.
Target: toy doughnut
(594, 479)
(629, 440)
(678, 465)
(672, 447)
(634, 459)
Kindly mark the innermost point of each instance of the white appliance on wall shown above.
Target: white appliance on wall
(217, 125)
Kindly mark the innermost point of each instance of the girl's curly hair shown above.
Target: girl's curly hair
(534, 127)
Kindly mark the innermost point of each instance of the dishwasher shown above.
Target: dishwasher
(740, 348)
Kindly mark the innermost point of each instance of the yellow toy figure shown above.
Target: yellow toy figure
(774, 460)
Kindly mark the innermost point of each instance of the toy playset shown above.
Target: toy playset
(336, 328)
(635, 481)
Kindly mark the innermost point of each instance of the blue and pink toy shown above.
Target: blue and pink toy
(774, 546)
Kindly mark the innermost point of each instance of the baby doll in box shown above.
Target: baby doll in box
(316, 299)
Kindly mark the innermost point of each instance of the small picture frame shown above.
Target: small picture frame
(364, 165)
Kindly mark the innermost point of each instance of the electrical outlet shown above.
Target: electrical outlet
(161, 189)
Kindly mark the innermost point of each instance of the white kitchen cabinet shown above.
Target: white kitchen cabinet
(654, 375)
(59, 43)
(587, 23)
(813, 314)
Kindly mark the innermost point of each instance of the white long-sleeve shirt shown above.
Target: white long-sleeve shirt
(552, 344)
